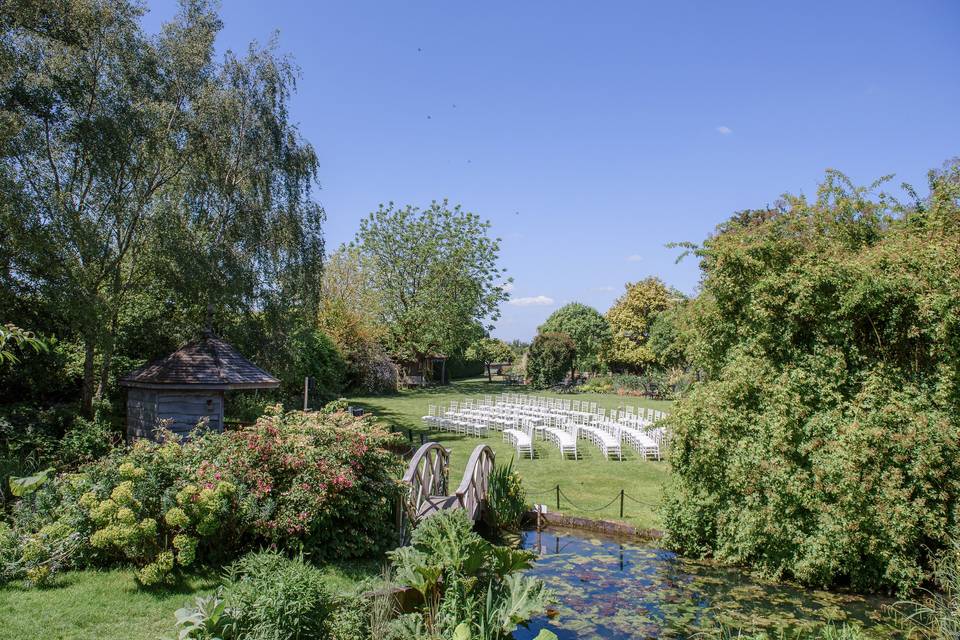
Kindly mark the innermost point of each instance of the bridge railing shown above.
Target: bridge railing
(426, 476)
(472, 491)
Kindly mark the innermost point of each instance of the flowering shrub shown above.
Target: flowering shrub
(323, 482)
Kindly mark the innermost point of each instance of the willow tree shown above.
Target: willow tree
(126, 156)
(437, 274)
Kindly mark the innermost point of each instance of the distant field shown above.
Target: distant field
(589, 483)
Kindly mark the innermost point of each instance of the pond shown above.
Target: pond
(611, 589)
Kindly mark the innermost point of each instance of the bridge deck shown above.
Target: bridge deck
(433, 504)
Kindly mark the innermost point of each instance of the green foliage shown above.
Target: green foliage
(662, 385)
(311, 353)
(466, 584)
(207, 619)
(632, 317)
(824, 443)
(350, 312)
(488, 351)
(87, 440)
(588, 329)
(829, 632)
(506, 497)
(434, 270)
(549, 359)
(141, 179)
(272, 597)
(937, 615)
(320, 482)
(13, 338)
(666, 338)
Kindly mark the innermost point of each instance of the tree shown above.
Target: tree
(823, 444)
(589, 331)
(126, 158)
(631, 318)
(666, 337)
(435, 270)
(349, 314)
(489, 351)
(550, 357)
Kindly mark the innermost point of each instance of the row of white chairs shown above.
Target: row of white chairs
(521, 417)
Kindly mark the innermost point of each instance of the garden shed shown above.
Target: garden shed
(188, 386)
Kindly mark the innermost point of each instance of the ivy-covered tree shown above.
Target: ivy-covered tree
(825, 442)
(437, 273)
(588, 329)
(489, 351)
(631, 318)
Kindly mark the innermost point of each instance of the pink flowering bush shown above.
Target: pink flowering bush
(326, 482)
(322, 483)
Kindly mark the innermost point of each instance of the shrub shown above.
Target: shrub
(325, 483)
(506, 498)
(272, 597)
(824, 443)
(549, 359)
(87, 440)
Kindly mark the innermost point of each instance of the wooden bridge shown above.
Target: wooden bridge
(426, 479)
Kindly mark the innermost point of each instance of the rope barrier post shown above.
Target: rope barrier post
(558, 497)
(621, 503)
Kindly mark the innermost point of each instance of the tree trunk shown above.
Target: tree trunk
(489, 375)
(107, 356)
(86, 406)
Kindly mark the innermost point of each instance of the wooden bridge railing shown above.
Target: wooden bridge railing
(472, 491)
(426, 479)
(426, 476)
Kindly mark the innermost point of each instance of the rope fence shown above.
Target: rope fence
(560, 497)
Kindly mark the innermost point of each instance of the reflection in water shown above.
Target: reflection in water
(612, 590)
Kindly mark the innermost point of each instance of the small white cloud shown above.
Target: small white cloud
(507, 287)
(724, 131)
(605, 288)
(531, 301)
(635, 258)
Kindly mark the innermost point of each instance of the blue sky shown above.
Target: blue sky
(591, 134)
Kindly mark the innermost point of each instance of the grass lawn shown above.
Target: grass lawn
(107, 605)
(588, 483)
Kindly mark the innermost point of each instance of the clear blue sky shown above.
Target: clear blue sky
(593, 133)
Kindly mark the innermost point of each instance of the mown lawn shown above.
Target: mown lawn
(107, 605)
(588, 484)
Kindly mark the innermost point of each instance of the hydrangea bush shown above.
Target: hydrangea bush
(320, 482)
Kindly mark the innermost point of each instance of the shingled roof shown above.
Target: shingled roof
(207, 363)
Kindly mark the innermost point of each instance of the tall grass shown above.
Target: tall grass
(936, 615)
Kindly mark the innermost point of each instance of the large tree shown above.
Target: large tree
(631, 318)
(124, 157)
(437, 273)
(589, 330)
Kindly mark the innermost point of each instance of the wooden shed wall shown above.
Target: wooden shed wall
(147, 408)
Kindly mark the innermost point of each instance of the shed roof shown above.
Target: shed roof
(207, 363)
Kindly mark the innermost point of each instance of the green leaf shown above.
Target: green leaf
(28, 484)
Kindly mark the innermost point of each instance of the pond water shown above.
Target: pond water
(610, 589)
